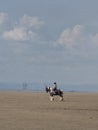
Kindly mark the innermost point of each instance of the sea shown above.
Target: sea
(40, 87)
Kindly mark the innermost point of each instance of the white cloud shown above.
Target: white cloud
(3, 17)
(29, 21)
(19, 34)
(15, 34)
(95, 38)
(25, 30)
(70, 36)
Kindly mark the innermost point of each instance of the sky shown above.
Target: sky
(49, 40)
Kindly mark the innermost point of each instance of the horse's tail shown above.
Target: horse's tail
(61, 92)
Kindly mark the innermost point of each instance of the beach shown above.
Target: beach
(24, 110)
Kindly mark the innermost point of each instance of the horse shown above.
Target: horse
(52, 93)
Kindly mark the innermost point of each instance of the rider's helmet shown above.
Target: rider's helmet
(54, 82)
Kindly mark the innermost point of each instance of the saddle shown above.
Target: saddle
(55, 92)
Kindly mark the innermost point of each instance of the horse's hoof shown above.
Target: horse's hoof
(61, 99)
(51, 99)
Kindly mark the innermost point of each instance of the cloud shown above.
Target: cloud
(3, 17)
(25, 30)
(71, 36)
(95, 38)
(77, 37)
(19, 34)
(29, 21)
(15, 34)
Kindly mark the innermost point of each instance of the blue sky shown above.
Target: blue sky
(49, 40)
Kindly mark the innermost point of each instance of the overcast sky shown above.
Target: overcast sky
(49, 40)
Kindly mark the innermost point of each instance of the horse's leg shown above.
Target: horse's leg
(60, 93)
(61, 98)
(51, 98)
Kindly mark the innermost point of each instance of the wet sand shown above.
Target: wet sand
(34, 111)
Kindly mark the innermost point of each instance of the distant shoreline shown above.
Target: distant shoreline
(42, 91)
(40, 87)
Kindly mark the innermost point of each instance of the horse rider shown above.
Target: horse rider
(54, 88)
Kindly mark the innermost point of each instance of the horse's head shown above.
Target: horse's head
(47, 89)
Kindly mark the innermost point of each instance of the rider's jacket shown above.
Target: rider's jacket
(55, 87)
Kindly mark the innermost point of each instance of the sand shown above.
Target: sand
(34, 111)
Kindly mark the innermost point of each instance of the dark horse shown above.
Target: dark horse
(58, 92)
